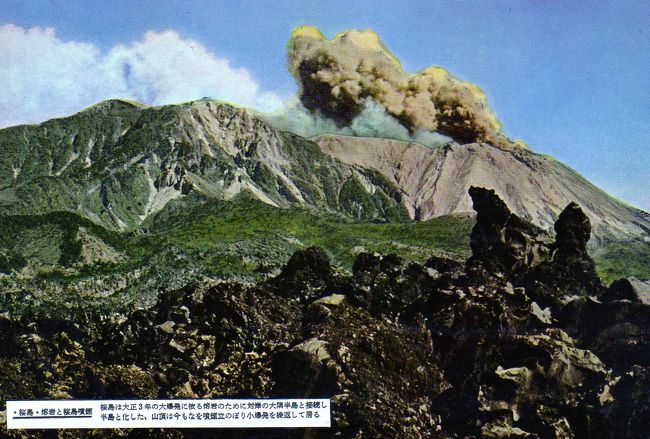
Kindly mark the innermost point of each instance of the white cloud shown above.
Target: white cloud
(42, 76)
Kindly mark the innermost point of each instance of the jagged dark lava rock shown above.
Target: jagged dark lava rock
(521, 341)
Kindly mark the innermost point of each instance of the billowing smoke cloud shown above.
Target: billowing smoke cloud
(44, 76)
(337, 77)
(372, 121)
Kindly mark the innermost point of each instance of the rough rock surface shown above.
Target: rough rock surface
(494, 348)
(630, 289)
(502, 240)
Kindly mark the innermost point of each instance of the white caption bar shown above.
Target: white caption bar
(169, 413)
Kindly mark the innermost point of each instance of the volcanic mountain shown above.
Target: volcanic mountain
(119, 163)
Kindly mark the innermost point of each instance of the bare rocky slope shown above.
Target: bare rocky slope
(434, 182)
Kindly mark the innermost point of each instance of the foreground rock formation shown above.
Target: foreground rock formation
(520, 341)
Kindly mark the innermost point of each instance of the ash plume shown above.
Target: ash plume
(338, 77)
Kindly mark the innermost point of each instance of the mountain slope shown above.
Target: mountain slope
(435, 182)
(117, 163)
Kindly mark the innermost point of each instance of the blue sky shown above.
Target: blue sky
(571, 78)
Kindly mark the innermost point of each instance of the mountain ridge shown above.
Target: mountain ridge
(119, 162)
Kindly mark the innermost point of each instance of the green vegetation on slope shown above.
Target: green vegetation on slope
(47, 239)
(60, 258)
(65, 263)
(622, 259)
(212, 228)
